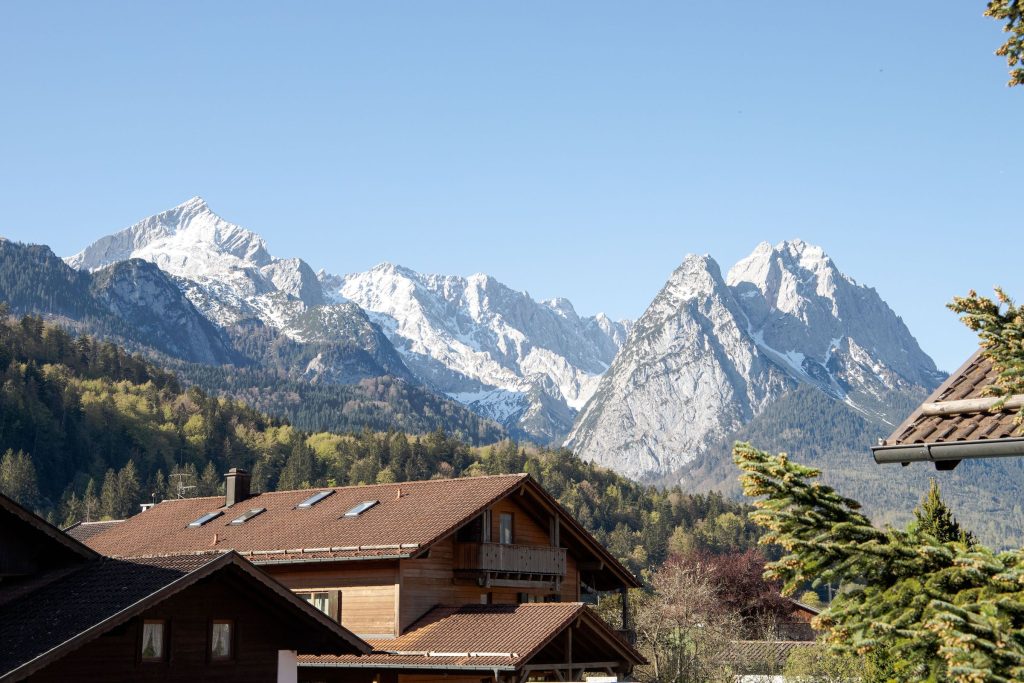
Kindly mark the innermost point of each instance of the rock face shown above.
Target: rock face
(228, 272)
(706, 357)
(527, 364)
(710, 354)
(143, 296)
(133, 301)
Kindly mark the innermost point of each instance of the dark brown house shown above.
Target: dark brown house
(68, 613)
(959, 420)
(446, 578)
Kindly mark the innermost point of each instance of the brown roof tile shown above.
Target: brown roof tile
(75, 601)
(409, 517)
(83, 531)
(969, 382)
(481, 637)
(80, 604)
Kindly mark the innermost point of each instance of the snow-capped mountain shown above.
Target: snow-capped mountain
(711, 353)
(132, 302)
(527, 364)
(230, 273)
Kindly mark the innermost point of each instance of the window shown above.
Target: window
(328, 602)
(320, 600)
(221, 639)
(361, 508)
(505, 528)
(153, 640)
(486, 599)
(208, 517)
(313, 500)
(245, 517)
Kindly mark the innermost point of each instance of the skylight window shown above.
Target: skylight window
(361, 508)
(313, 500)
(208, 517)
(247, 516)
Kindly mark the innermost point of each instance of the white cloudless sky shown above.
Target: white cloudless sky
(575, 149)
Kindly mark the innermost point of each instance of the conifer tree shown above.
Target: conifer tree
(934, 518)
(110, 502)
(942, 611)
(1011, 12)
(90, 503)
(1000, 327)
(18, 478)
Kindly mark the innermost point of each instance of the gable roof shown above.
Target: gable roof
(957, 421)
(409, 518)
(45, 536)
(486, 638)
(83, 531)
(42, 626)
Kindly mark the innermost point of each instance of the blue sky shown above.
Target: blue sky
(569, 149)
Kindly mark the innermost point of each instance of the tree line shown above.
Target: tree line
(90, 431)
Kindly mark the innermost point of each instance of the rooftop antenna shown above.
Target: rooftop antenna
(180, 487)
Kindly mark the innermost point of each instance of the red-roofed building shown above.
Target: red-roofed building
(68, 613)
(384, 559)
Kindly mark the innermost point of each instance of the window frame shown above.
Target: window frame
(511, 528)
(232, 641)
(164, 642)
(333, 600)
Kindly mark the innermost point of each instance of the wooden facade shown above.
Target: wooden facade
(381, 599)
(430, 565)
(115, 656)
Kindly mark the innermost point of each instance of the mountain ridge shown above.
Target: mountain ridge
(526, 364)
(784, 316)
(646, 397)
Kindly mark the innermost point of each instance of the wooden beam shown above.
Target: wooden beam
(568, 647)
(972, 405)
(512, 583)
(588, 666)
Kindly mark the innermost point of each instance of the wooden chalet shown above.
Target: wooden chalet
(68, 613)
(443, 577)
(958, 421)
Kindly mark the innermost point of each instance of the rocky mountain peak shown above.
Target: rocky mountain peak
(708, 355)
(182, 240)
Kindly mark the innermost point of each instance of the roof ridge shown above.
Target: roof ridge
(412, 482)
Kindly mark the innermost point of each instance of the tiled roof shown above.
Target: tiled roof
(78, 605)
(968, 382)
(83, 531)
(409, 517)
(65, 608)
(485, 637)
(47, 539)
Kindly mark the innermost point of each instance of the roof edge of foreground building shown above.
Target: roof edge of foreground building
(959, 420)
(63, 595)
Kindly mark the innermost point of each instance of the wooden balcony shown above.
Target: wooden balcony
(519, 561)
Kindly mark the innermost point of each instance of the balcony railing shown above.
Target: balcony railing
(511, 559)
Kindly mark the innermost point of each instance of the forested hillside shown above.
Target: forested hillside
(348, 377)
(90, 431)
(830, 435)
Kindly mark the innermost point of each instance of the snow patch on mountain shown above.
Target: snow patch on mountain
(484, 343)
(710, 353)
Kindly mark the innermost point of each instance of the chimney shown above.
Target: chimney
(236, 487)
